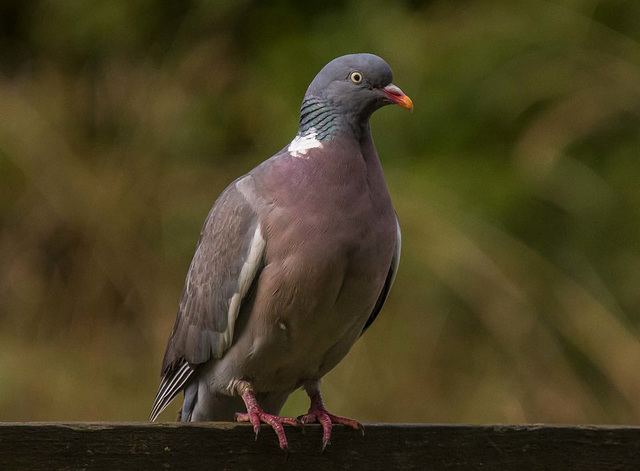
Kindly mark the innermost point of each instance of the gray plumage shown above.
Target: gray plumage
(295, 259)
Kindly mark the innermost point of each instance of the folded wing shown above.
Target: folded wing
(227, 261)
(391, 277)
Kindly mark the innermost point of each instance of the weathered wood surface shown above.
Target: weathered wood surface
(212, 446)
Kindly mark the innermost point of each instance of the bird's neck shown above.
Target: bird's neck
(320, 118)
(324, 121)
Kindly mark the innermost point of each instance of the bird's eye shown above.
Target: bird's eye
(356, 77)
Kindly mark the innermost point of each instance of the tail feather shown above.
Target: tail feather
(172, 383)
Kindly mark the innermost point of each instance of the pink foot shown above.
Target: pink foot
(317, 413)
(256, 415)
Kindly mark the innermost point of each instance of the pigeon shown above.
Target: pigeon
(294, 263)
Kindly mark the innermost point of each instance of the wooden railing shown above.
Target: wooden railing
(227, 446)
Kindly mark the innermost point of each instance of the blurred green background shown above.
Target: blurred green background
(516, 181)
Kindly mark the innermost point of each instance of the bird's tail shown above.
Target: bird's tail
(172, 383)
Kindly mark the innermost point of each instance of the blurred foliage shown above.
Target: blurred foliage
(516, 181)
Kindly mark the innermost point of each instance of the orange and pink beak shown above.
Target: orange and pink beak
(395, 95)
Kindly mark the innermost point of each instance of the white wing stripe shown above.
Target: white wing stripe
(247, 274)
(172, 384)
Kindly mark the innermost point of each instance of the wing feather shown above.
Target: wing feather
(227, 261)
(391, 277)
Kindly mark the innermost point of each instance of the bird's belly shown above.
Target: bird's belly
(314, 311)
(304, 346)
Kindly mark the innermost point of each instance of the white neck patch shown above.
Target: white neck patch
(301, 144)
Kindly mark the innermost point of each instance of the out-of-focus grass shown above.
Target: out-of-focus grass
(515, 181)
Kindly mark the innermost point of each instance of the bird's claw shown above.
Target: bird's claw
(256, 416)
(320, 415)
(324, 444)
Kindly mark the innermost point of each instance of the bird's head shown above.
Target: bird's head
(357, 85)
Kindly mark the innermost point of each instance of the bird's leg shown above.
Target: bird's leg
(256, 415)
(318, 413)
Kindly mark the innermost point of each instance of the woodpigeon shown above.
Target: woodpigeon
(294, 263)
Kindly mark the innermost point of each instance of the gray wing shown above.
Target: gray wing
(391, 277)
(228, 258)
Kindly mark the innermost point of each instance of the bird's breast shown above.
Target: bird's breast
(329, 249)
